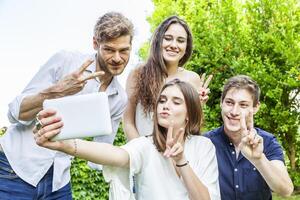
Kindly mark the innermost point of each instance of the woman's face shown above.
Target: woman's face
(171, 107)
(174, 44)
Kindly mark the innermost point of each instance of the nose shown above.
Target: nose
(235, 111)
(173, 43)
(166, 105)
(116, 58)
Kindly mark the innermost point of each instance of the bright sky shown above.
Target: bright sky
(32, 31)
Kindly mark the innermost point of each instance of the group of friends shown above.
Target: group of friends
(166, 157)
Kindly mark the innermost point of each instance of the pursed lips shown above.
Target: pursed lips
(164, 114)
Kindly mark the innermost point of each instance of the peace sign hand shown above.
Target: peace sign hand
(204, 90)
(74, 82)
(174, 145)
(251, 145)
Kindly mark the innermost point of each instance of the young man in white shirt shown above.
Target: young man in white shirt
(28, 171)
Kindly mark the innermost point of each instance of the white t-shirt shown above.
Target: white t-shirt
(156, 175)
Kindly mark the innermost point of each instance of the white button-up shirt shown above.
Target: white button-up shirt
(30, 161)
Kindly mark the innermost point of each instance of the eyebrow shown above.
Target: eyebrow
(177, 37)
(112, 48)
(243, 101)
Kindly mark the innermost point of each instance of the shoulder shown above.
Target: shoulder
(268, 138)
(140, 144)
(198, 141)
(213, 133)
(192, 77)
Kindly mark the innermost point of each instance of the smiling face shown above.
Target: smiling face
(174, 44)
(171, 107)
(113, 55)
(236, 101)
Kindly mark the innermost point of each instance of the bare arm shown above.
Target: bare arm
(275, 174)
(69, 85)
(101, 153)
(196, 189)
(129, 126)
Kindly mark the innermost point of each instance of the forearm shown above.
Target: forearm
(196, 189)
(276, 176)
(32, 104)
(101, 153)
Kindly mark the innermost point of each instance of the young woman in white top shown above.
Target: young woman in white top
(174, 163)
(171, 47)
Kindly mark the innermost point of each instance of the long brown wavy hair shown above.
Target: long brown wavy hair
(194, 114)
(151, 75)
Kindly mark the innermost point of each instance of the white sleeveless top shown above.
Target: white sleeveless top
(143, 121)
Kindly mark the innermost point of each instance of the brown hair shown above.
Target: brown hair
(111, 26)
(150, 76)
(242, 82)
(194, 114)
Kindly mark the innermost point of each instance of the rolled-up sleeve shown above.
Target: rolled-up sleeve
(48, 74)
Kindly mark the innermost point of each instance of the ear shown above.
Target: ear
(95, 44)
(256, 108)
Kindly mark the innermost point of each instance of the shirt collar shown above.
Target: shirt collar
(225, 139)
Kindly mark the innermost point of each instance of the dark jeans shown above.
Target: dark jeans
(14, 188)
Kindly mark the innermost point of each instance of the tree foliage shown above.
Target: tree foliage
(259, 38)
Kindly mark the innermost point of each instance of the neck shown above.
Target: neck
(234, 137)
(172, 69)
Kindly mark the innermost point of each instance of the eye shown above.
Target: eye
(168, 38)
(181, 40)
(108, 50)
(124, 51)
(162, 100)
(229, 103)
(244, 105)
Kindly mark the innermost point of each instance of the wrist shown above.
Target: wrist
(259, 161)
(182, 163)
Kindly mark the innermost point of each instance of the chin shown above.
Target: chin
(232, 128)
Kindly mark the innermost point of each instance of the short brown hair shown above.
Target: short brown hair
(111, 26)
(242, 82)
(194, 114)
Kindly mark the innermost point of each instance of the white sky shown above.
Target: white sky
(31, 31)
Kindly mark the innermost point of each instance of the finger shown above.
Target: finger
(50, 120)
(207, 81)
(174, 149)
(170, 131)
(92, 76)
(44, 139)
(250, 124)
(243, 124)
(46, 113)
(202, 79)
(179, 135)
(85, 65)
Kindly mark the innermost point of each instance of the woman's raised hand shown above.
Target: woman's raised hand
(174, 144)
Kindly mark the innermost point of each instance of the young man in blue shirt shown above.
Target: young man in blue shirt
(250, 160)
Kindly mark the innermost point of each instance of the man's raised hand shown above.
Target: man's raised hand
(74, 82)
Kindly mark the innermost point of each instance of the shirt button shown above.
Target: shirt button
(233, 152)
(236, 186)
(230, 144)
(235, 169)
(254, 168)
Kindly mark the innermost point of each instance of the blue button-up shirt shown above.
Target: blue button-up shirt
(238, 178)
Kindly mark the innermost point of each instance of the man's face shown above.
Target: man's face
(236, 102)
(113, 55)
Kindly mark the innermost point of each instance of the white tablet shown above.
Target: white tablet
(85, 115)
